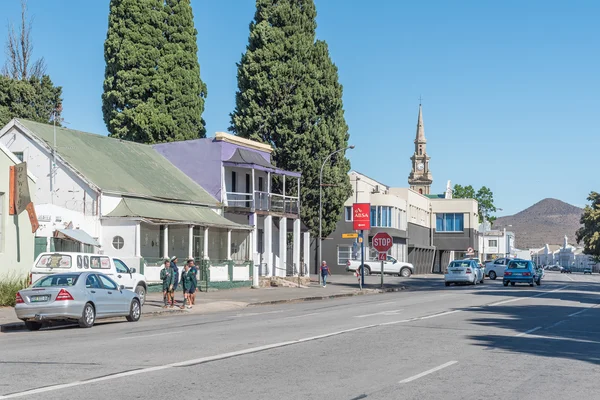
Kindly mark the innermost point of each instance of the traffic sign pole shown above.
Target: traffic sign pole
(382, 273)
(362, 258)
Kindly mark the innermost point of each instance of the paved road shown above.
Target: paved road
(482, 342)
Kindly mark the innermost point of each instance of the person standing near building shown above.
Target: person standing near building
(176, 271)
(325, 272)
(167, 276)
(188, 283)
(195, 270)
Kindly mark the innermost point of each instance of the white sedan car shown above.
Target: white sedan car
(463, 271)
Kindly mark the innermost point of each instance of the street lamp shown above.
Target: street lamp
(321, 206)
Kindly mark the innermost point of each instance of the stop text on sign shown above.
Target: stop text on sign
(382, 242)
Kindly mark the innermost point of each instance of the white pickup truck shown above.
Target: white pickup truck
(390, 266)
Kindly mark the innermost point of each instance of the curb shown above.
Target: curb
(332, 296)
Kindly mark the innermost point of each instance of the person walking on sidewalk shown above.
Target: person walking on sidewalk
(176, 272)
(324, 272)
(188, 283)
(167, 276)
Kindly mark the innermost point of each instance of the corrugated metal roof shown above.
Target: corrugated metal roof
(79, 236)
(172, 212)
(120, 166)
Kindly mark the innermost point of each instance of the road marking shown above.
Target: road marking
(300, 316)
(390, 312)
(557, 324)
(257, 313)
(218, 357)
(572, 280)
(528, 332)
(147, 336)
(584, 310)
(527, 297)
(431, 371)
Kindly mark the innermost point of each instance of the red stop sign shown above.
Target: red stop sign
(382, 242)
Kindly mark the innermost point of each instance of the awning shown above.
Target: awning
(250, 159)
(163, 212)
(77, 235)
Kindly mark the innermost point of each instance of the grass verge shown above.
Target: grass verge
(9, 287)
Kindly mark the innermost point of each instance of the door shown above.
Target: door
(124, 276)
(114, 298)
(97, 294)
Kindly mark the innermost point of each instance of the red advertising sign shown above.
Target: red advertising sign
(382, 242)
(361, 216)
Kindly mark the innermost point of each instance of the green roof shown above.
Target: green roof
(120, 166)
(435, 196)
(166, 212)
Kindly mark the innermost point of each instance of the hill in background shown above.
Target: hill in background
(547, 221)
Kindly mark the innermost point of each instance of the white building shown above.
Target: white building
(16, 236)
(495, 243)
(126, 200)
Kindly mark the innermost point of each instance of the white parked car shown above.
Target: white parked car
(65, 262)
(496, 268)
(390, 266)
(463, 271)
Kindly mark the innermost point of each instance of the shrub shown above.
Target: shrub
(9, 287)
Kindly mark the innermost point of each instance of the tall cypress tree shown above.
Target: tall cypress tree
(289, 96)
(152, 87)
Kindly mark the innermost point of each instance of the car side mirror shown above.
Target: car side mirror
(132, 270)
(121, 287)
(395, 261)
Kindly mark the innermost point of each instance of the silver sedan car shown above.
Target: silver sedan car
(78, 296)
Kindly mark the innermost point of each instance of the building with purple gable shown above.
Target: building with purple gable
(239, 174)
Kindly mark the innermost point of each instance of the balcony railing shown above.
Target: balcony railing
(263, 201)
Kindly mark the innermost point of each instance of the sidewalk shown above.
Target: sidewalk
(235, 299)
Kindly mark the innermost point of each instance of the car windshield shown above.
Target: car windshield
(519, 264)
(460, 264)
(57, 280)
(54, 261)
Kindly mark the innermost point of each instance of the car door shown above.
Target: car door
(97, 294)
(124, 276)
(390, 266)
(114, 295)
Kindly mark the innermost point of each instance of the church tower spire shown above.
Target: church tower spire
(420, 178)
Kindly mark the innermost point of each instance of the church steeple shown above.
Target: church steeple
(420, 178)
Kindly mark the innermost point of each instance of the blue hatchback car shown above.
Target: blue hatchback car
(521, 271)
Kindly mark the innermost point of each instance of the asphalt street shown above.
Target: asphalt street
(432, 342)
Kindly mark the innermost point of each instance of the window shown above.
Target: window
(54, 261)
(344, 253)
(381, 216)
(260, 184)
(121, 267)
(118, 242)
(107, 282)
(348, 214)
(99, 262)
(233, 181)
(92, 282)
(57, 280)
(449, 222)
(19, 155)
(492, 243)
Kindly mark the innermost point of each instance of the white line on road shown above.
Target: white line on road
(528, 332)
(527, 297)
(257, 313)
(431, 371)
(218, 357)
(584, 310)
(300, 316)
(147, 336)
(571, 279)
(390, 312)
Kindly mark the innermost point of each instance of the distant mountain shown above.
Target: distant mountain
(547, 221)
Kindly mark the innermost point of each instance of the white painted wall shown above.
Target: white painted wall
(17, 242)
(53, 217)
(108, 203)
(126, 230)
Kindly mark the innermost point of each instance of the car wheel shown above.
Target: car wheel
(405, 272)
(531, 284)
(505, 283)
(33, 325)
(539, 282)
(482, 279)
(474, 282)
(367, 270)
(512, 284)
(492, 275)
(88, 317)
(135, 311)
(141, 292)
(447, 283)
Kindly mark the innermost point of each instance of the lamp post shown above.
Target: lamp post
(321, 206)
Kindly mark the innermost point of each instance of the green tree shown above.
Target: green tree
(289, 96)
(35, 99)
(152, 87)
(589, 233)
(25, 91)
(484, 197)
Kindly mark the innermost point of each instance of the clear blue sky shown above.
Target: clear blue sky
(510, 88)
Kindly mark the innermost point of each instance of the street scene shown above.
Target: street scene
(425, 342)
(240, 200)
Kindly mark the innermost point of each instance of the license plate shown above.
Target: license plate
(39, 299)
(456, 272)
(517, 273)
